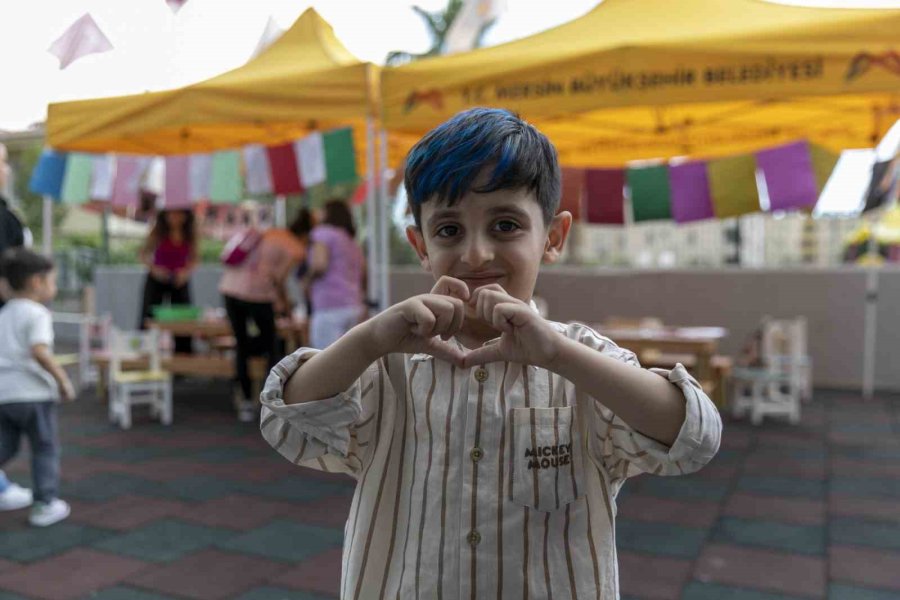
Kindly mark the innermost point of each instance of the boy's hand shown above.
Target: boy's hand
(424, 323)
(526, 337)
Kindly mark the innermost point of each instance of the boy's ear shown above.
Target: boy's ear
(417, 241)
(557, 233)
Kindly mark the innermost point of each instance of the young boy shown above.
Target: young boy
(31, 382)
(488, 443)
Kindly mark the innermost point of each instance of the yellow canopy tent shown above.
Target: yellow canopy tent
(306, 80)
(637, 79)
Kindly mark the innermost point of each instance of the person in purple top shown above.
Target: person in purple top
(337, 272)
(170, 254)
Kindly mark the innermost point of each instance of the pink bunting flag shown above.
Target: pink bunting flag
(126, 183)
(175, 5)
(178, 182)
(83, 37)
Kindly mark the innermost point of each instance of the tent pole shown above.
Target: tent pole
(371, 217)
(280, 211)
(384, 256)
(870, 335)
(47, 224)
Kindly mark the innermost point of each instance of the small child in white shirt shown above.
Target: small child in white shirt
(31, 383)
(488, 443)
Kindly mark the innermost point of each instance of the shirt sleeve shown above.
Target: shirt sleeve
(333, 434)
(625, 452)
(39, 329)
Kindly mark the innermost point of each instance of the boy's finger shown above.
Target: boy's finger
(506, 316)
(445, 351)
(459, 316)
(491, 287)
(450, 286)
(421, 320)
(485, 354)
(442, 309)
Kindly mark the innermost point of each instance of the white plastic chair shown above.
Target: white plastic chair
(151, 386)
(777, 387)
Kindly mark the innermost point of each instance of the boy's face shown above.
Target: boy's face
(43, 286)
(497, 237)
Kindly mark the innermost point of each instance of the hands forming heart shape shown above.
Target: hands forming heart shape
(425, 323)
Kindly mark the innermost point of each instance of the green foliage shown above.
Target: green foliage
(437, 23)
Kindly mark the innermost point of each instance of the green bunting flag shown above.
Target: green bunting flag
(76, 186)
(823, 163)
(226, 184)
(340, 157)
(732, 185)
(650, 193)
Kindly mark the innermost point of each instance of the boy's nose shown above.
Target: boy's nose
(477, 252)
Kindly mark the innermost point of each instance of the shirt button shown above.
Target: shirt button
(474, 538)
(476, 454)
(481, 375)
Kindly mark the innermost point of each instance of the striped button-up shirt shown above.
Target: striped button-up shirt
(491, 482)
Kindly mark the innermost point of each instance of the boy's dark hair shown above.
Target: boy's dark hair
(446, 162)
(18, 265)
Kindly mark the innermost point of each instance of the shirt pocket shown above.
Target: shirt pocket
(546, 458)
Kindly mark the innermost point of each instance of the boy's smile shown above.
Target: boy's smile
(487, 238)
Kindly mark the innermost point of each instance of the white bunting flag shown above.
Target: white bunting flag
(256, 163)
(83, 37)
(271, 33)
(200, 169)
(103, 170)
(310, 153)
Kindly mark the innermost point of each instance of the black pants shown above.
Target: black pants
(161, 292)
(36, 421)
(240, 313)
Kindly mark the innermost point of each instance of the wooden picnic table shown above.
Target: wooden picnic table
(699, 343)
(292, 331)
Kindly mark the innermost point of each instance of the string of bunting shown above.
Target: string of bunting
(794, 176)
(222, 177)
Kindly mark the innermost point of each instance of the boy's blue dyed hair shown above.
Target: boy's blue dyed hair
(445, 163)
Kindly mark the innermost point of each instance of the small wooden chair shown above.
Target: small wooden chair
(152, 386)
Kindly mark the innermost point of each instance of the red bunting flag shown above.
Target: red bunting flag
(605, 200)
(283, 165)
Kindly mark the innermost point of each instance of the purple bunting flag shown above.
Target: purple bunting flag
(790, 178)
(690, 192)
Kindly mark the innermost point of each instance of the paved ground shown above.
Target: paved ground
(204, 510)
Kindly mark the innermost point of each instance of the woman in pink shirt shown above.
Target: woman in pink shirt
(337, 272)
(170, 254)
(254, 291)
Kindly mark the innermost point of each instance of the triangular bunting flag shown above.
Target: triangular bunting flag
(283, 167)
(881, 185)
(271, 33)
(650, 194)
(311, 159)
(177, 193)
(103, 169)
(732, 184)
(340, 157)
(604, 189)
(572, 189)
(83, 37)
(76, 187)
(789, 176)
(226, 184)
(690, 192)
(256, 163)
(47, 177)
(176, 5)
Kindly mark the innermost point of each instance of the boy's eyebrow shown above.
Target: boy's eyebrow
(508, 208)
(444, 213)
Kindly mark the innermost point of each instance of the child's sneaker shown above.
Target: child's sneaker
(15, 497)
(44, 514)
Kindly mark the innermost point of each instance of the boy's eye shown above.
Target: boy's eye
(446, 231)
(506, 226)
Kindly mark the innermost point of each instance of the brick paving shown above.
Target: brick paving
(205, 510)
